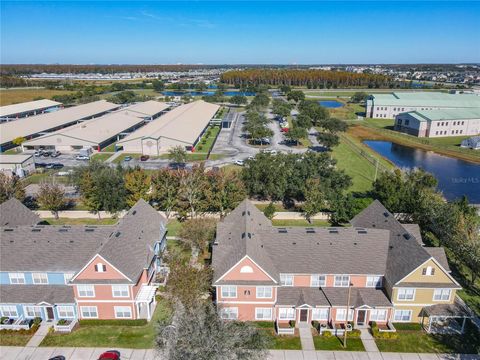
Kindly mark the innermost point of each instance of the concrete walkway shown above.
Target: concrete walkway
(114, 156)
(368, 341)
(44, 353)
(306, 338)
(38, 337)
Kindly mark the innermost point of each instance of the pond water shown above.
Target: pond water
(455, 177)
(203, 93)
(331, 103)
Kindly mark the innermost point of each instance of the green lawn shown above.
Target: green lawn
(38, 177)
(14, 338)
(420, 341)
(304, 223)
(109, 148)
(81, 221)
(122, 157)
(101, 156)
(355, 165)
(335, 343)
(206, 142)
(133, 337)
(278, 207)
(173, 226)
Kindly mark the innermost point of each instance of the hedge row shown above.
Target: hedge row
(408, 326)
(96, 322)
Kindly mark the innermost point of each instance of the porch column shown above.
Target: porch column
(463, 324)
(148, 311)
(429, 323)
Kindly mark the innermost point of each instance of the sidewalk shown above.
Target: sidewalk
(368, 341)
(38, 337)
(44, 353)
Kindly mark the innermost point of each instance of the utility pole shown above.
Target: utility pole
(346, 315)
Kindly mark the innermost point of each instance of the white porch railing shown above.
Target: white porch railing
(65, 327)
(285, 330)
(17, 324)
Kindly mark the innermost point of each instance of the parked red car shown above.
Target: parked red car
(110, 355)
(144, 157)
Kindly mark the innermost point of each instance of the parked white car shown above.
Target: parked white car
(239, 162)
(82, 157)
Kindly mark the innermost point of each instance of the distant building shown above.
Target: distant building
(31, 108)
(17, 164)
(439, 123)
(182, 126)
(472, 143)
(390, 105)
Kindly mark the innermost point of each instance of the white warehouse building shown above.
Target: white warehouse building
(25, 109)
(439, 123)
(390, 105)
(182, 126)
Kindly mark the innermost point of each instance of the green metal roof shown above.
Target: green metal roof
(422, 98)
(446, 114)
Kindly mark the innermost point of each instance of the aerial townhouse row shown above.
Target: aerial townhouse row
(378, 266)
(79, 272)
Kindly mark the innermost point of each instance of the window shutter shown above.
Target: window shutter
(104, 268)
(424, 271)
(433, 271)
(96, 268)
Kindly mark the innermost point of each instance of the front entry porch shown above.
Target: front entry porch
(146, 302)
(446, 318)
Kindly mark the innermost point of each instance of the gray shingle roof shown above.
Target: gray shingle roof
(34, 294)
(246, 231)
(405, 252)
(14, 213)
(439, 254)
(128, 245)
(428, 285)
(297, 296)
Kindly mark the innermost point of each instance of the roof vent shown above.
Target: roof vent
(282, 230)
(243, 235)
(63, 230)
(117, 234)
(362, 231)
(89, 230)
(333, 231)
(386, 214)
(407, 236)
(11, 241)
(294, 243)
(243, 213)
(310, 230)
(7, 229)
(134, 212)
(248, 212)
(36, 230)
(249, 235)
(71, 241)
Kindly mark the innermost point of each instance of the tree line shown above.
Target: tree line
(309, 78)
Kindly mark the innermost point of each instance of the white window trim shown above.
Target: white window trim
(88, 317)
(441, 293)
(341, 276)
(376, 311)
(413, 297)
(84, 286)
(229, 310)
(38, 308)
(264, 297)
(351, 313)
(65, 308)
(287, 275)
(409, 317)
(288, 311)
(16, 275)
(118, 308)
(10, 308)
(120, 286)
(316, 276)
(67, 277)
(263, 318)
(320, 309)
(228, 296)
(42, 275)
(375, 285)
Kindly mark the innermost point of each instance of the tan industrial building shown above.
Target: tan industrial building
(95, 134)
(26, 109)
(182, 126)
(439, 123)
(39, 125)
(18, 164)
(148, 110)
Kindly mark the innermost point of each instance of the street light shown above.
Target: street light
(346, 316)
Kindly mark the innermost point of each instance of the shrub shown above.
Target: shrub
(3, 318)
(316, 324)
(292, 323)
(62, 322)
(354, 333)
(199, 147)
(327, 334)
(37, 321)
(96, 322)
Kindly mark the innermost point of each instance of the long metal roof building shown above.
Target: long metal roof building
(182, 126)
(426, 99)
(30, 107)
(35, 126)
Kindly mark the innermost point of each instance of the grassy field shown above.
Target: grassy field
(133, 337)
(38, 177)
(321, 223)
(361, 170)
(122, 157)
(335, 343)
(277, 342)
(81, 221)
(375, 129)
(173, 227)
(206, 142)
(15, 96)
(101, 156)
(14, 338)
(109, 148)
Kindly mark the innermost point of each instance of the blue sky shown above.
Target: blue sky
(267, 32)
